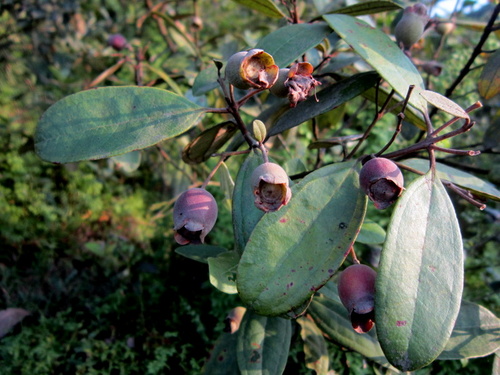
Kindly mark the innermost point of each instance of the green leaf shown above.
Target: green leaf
(200, 253)
(222, 270)
(444, 104)
(371, 233)
(109, 121)
(223, 359)
(420, 277)
(128, 162)
(332, 318)
(476, 333)
(489, 81)
(315, 348)
(208, 142)
(226, 181)
(368, 7)
(326, 100)
(290, 42)
(378, 50)
(245, 214)
(263, 344)
(266, 7)
(205, 81)
(293, 252)
(463, 179)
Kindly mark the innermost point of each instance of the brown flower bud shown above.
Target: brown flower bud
(356, 288)
(195, 213)
(270, 187)
(251, 69)
(411, 26)
(382, 181)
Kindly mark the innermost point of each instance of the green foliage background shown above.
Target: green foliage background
(88, 248)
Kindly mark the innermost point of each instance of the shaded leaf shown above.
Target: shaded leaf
(223, 359)
(332, 318)
(200, 253)
(266, 7)
(9, 318)
(293, 252)
(371, 233)
(463, 179)
(476, 333)
(315, 349)
(109, 121)
(128, 162)
(222, 270)
(290, 42)
(205, 81)
(378, 50)
(263, 344)
(324, 101)
(444, 104)
(412, 115)
(491, 139)
(368, 7)
(334, 141)
(245, 214)
(208, 142)
(420, 277)
(489, 81)
(226, 181)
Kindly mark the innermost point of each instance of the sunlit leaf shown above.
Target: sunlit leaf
(263, 344)
(266, 7)
(109, 121)
(444, 104)
(222, 271)
(378, 50)
(463, 179)
(366, 7)
(420, 277)
(489, 81)
(290, 42)
(326, 100)
(476, 333)
(291, 253)
(371, 233)
(315, 348)
(128, 162)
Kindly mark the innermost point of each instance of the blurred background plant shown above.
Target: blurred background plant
(87, 248)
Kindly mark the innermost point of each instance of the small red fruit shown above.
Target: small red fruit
(382, 181)
(356, 288)
(117, 41)
(195, 213)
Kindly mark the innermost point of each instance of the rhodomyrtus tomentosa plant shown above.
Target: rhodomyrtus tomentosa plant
(295, 232)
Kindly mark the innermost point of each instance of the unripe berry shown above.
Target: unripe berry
(251, 69)
(117, 41)
(270, 187)
(195, 213)
(279, 89)
(382, 180)
(411, 26)
(356, 287)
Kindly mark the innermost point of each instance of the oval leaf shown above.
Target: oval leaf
(326, 100)
(266, 7)
(360, 9)
(315, 348)
(222, 271)
(371, 233)
(476, 333)
(420, 278)
(378, 50)
(200, 253)
(293, 252)
(290, 42)
(444, 104)
(109, 121)
(489, 81)
(463, 179)
(245, 214)
(205, 81)
(263, 344)
(331, 316)
(223, 359)
(128, 162)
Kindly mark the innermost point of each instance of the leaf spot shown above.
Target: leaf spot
(283, 220)
(401, 323)
(255, 357)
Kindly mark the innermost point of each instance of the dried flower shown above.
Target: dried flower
(251, 69)
(270, 187)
